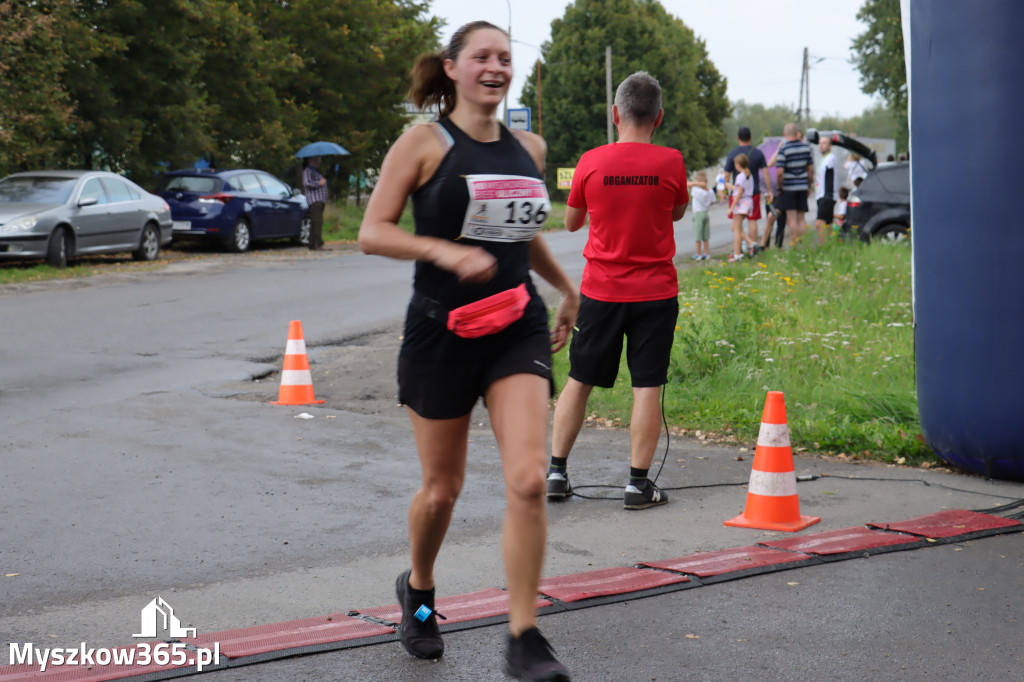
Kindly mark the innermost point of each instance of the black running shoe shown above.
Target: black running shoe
(649, 496)
(530, 657)
(418, 630)
(558, 485)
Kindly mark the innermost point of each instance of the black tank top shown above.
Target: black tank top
(440, 210)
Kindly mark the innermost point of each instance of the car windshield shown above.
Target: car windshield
(34, 189)
(200, 184)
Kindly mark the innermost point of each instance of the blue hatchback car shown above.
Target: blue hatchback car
(234, 207)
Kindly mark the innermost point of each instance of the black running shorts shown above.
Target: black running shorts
(794, 200)
(436, 389)
(826, 208)
(596, 347)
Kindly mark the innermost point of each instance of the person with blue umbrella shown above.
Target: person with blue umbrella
(315, 187)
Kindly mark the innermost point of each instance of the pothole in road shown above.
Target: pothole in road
(355, 375)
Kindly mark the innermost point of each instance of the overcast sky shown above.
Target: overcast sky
(758, 46)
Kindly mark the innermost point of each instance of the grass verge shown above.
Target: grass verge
(830, 327)
(14, 272)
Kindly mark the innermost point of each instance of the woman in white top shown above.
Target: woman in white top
(855, 170)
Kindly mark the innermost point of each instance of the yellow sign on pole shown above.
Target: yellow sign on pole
(565, 177)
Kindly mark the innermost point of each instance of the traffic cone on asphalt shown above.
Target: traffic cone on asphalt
(772, 502)
(296, 380)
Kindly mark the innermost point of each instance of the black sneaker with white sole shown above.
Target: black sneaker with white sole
(558, 485)
(530, 657)
(418, 630)
(642, 498)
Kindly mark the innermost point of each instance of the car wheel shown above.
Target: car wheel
(57, 249)
(302, 238)
(241, 238)
(149, 244)
(893, 233)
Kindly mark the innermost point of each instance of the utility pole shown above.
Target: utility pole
(504, 111)
(608, 89)
(540, 115)
(803, 104)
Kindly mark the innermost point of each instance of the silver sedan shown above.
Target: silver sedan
(59, 215)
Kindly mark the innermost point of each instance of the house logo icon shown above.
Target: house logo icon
(151, 617)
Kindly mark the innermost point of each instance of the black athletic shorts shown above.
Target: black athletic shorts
(436, 389)
(596, 347)
(826, 207)
(792, 200)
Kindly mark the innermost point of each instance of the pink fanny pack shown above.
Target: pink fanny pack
(489, 315)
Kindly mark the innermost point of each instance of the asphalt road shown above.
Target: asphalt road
(128, 474)
(118, 336)
(940, 614)
(106, 428)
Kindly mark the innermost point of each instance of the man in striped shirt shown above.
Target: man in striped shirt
(794, 167)
(315, 186)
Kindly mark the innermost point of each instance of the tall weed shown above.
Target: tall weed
(830, 327)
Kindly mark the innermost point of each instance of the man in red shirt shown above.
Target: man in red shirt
(633, 191)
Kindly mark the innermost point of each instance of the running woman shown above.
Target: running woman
(479, 202)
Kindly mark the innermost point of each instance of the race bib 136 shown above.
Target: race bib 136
(505, 208)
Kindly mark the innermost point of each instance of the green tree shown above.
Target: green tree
(643, 36)
(355, 59)
(143, 93)
(36, 111)
(762, 121)
(138, 86)
(181, 80)
(248, 65)
(876, 121)
(878, 55)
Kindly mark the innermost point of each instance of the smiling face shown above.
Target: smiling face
(482, 71)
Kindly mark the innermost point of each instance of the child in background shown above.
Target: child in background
(702, 199)
(720, 184)
(741, 204)
(839, 214)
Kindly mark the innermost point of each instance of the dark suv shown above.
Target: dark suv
(234, 207)
(880, 208)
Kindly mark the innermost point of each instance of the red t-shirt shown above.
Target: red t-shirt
(630, 189)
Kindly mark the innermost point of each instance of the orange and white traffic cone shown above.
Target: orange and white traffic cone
(772, 502)
(296, 379)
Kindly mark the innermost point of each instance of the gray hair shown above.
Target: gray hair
(638, 98)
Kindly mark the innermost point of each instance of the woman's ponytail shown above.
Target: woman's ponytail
(431, 85)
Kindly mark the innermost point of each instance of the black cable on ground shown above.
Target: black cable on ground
(664, 420)
(1005, 507)
(1017, 501)
(619, 487)
(1015, 504)
(654, 479)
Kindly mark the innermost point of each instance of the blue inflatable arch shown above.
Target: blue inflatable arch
(966, 80)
